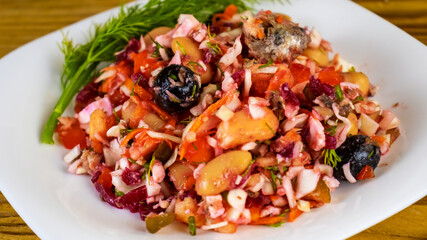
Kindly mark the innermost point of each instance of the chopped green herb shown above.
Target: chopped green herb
(180, 47)
(273, 179)
(278, 224)
(192, 225)
(186, 121)
(249, 167)
(194, 91)
(115, 116)
(173, 76)
(285, 169)
(118, 193)
(134, 162)
(370, 154)
(331, 130)
(339, 95)
(331, 158)
(271, 129)
(358, 99)
(125, 131)
(133, 86)
(156, 53)
(352, 69)
(194, 146)
(214, 46)
(217, 65)
(210, 35)
(267, 64)
(193, 64)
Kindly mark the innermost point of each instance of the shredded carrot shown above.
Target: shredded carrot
(255, 212)
(294, 213)
(268, 220)
(379, 139)
(279, 19)
(258, 20)
(131, 135)
(159, 111)
(201, 119)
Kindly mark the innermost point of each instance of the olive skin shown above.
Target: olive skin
(176, 88)
(359, 150)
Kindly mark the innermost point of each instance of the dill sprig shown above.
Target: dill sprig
(331, 157)
(82, 60)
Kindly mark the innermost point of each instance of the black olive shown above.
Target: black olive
(359, 150)
(176, 88)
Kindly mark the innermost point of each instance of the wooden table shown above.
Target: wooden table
(24, 20)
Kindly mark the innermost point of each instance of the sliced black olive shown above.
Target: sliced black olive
(176, 88)
(359, 151)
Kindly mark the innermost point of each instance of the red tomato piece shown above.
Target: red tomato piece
(70, 134)
(330, 76)
(366, 173)
(199, 151)
(300, 73)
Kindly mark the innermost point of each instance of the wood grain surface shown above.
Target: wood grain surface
(24, 20)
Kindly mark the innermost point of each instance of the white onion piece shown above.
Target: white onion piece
(306, 183)
(235, 103)
(160, 135)
(103, 104)
(72, 154)
(324, 169)
(176, 59)
(213, 226)
(105, 75)
(248, 146)
(228, 58)
(172, 159)
(237, 198)
(247, 83)
(347, 173)
(290, 194)
(389, 120)
(113, 153)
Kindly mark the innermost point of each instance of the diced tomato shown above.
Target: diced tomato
(230, 10)
(260, 82)
(294, 213)
(122, 68)
(199, 151)
(300, 72)
(117, 97)
(330, 76)
(70, 134)
(142, 60)
(283, 75)
(105, 178)
(366, 173)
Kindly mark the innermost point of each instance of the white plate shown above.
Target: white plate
(57, 205)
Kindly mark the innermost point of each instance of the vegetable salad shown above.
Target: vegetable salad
(245, 120)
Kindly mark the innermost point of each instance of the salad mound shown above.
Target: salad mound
(245, 120)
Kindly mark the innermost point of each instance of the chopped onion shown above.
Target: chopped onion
(237, 198)
(290, 194)
(248, 146)
(172, 159)
(347, 173)
(271, 69)
(224, 113)
(306, 183)
(213, 226)
(247, 83)
(105, 75)
(164, 136)
(73, 154)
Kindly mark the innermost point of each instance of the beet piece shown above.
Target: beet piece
(107, 195)
(133, 199)
(331, 142)
(133, 46)
(288, 95)
(359, 150)
(131, 178)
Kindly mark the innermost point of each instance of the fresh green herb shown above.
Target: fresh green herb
(267, 64)
(134, 162)
(186, 121)
(217, 65)
(210, 35)
(214, 46)
(339, 95)
(182, 49)
(370, 154)
(273, 179)
(194, 146)
(331, 158)
(249, 167)
(115, 116)
(82, 60)
(125, 131)
(156, 53)
(278, 224)
(173, 98)
(271, 129)
(193, 64)
(285, 169)
(352, 69)
(118, 193)
(331, 130)
(133, 86)
(358, 99)
(192, 225)
(194, 91)
(272, 168)
(173, 76)
(150, 166)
